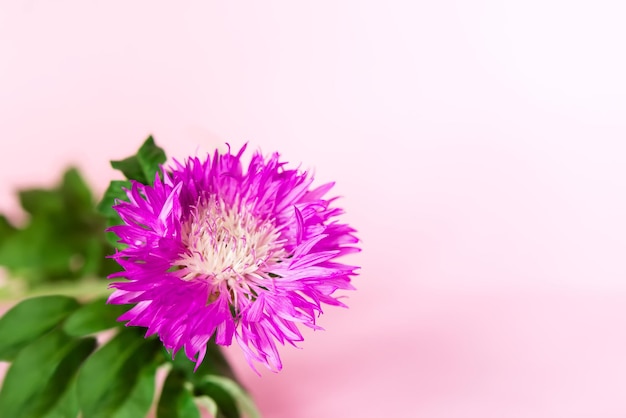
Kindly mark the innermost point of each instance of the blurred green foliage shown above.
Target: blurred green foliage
(62, 239)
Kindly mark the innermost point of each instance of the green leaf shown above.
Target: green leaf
(226, 404)
(30, 319)
(140, 399)
(143, 166)
(113, 193)
(108, 379)
(62, 239)
(62, 381)
(93, 317)
(214, 363)
(176, 398)
(112, 237)
(150, 157)
(131, 168)
(76, 192)
(234, 391)
(95, 262)
(41, 373)
(67, 406)
(23, 253)
(40, 201)
(73, 194)
(6, 228)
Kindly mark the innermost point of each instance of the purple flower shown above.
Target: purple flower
(213, 250)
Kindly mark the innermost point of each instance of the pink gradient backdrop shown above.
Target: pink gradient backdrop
(479, 146)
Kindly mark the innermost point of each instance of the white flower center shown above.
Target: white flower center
(227, 246)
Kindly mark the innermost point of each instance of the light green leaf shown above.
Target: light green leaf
(207, 404)
(93, 317)
(30, 319)
(108, 378)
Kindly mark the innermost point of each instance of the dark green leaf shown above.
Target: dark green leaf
(143, 166)
(67, 406)
(41, 373)
(38, 201)
(176, 399)
(94, 317)
(108, 378)
(214, 363)
(226, 404)
(63, 378)
(140, 399)
(131, 168)
(215, 379)
(150, 157)
(235, 392)
(72, 195)
(6, 228)
(76, 192)
(30, 319)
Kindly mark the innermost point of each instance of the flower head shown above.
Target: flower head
(213, 250)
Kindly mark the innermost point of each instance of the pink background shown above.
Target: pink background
(479, 147)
